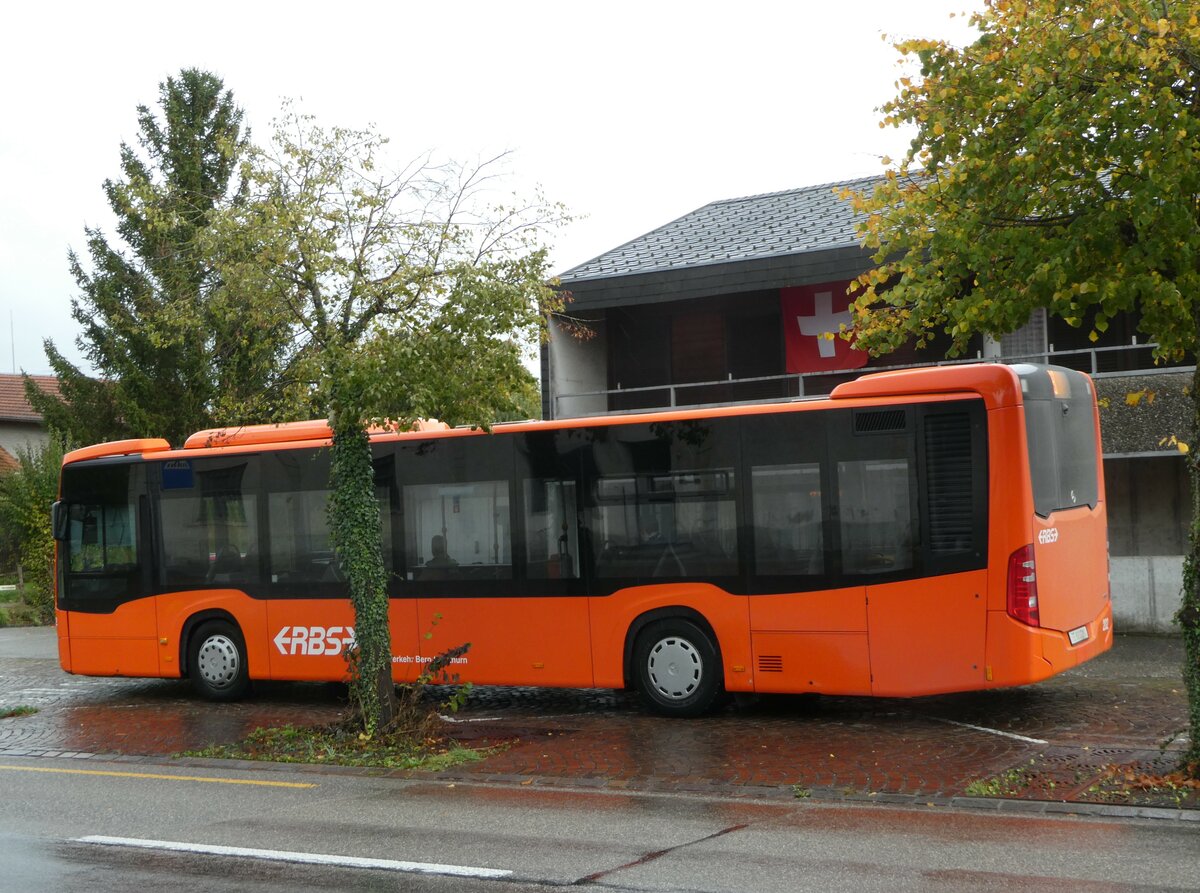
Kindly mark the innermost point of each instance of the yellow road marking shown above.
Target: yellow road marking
(265, 784)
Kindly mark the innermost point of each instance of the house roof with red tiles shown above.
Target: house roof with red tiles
(13, 405)
(7, 461)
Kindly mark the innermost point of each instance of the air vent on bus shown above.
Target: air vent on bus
(948, 470)
(770, 663)
(879, 420)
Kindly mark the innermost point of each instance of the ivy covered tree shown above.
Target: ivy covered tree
(409, 296)
(1057, 165)
(169, 351)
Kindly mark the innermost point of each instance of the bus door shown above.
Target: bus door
(465, 570)
(105, 578)
(912, 519)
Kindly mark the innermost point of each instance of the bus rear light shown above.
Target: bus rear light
(1022, 587)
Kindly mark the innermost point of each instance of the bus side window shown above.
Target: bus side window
(209, 524)
(875, 501)
(551, 529)
(788, 531)
(458, 531)
(102, 538)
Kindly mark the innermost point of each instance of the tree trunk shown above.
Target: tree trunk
(355, 531)
(1189, 610)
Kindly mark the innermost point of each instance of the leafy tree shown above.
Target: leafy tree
(169, 354)
(26, 494)
(408, 296)
(1056, 165)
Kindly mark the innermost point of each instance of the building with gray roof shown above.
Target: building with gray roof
(727, 304)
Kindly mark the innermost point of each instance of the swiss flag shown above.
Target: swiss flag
(809, 312)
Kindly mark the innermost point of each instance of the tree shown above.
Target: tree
(26, 494)
(1055, 165)
(409, 297)
(170, 356)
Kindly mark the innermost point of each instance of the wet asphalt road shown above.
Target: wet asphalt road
(541, 838)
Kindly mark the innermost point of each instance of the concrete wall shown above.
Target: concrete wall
(1149, 505)
(578, 366)
(1146, 593)
(18, 435)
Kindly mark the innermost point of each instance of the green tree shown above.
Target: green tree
(170, 356)
(26, 494)
(409, 295)
(1055, 165)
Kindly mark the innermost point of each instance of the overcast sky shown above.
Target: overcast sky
(630, 113)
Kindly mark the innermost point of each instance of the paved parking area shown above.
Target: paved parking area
(1052, 740)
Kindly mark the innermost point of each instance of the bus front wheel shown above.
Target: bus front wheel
(678, 668)
(217, 662)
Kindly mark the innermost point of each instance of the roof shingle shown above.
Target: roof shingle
(775, 224)
(13, 405)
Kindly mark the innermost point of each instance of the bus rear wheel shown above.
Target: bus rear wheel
(217, 661)
(677, 667)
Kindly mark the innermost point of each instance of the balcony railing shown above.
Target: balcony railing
(1099, 362)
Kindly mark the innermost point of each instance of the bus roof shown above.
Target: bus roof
(997, 384)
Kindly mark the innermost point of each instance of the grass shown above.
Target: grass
(18, 614)
(31, 608)
(21, 710)
(342, 745)
(1007, 784)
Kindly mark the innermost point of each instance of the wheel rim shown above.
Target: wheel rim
(218, 661)
(675, 668)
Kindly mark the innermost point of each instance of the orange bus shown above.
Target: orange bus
(920, 531)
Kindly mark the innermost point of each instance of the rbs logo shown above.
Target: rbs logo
(1049, 535)
(314, 640)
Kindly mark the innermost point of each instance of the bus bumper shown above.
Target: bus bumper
(1018, 654)
(62, 627)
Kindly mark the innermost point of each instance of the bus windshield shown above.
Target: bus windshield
(1060, 428)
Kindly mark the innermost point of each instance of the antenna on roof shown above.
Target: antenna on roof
(12, 338)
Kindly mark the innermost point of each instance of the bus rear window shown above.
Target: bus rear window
(1061, 433)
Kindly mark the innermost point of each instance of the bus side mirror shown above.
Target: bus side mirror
(59, 517)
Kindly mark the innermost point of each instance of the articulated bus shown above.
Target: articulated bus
(916, 532)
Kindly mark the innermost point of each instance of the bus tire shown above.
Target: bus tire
(677, 668)
(217, 661)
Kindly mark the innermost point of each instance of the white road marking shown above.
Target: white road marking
(302, 858)
(967, 725)
(445, 718)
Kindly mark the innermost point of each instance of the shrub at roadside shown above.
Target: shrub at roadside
(417, 738)
(21, 710)
(26, 494)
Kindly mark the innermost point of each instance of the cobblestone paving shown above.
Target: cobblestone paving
(1053, 739)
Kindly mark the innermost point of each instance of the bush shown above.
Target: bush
(26, 494)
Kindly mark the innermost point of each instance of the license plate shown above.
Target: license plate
(1078, 635)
